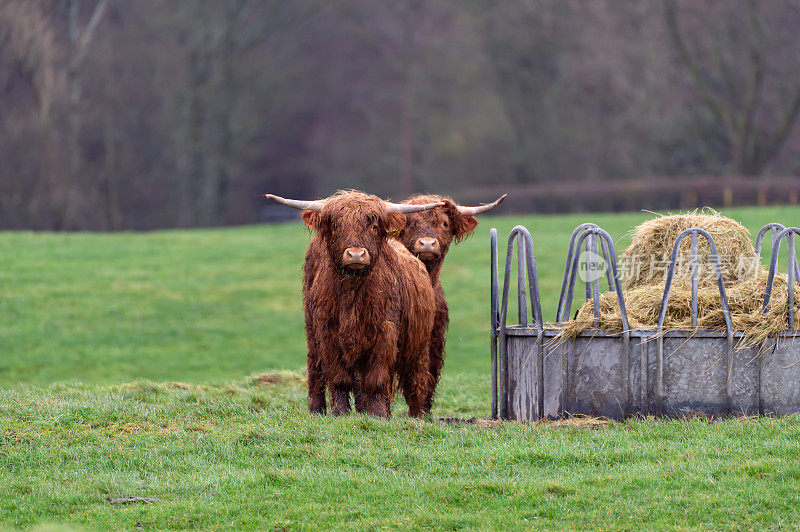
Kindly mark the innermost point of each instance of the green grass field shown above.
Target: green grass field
(129, 368)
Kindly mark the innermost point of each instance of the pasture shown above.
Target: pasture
(169, 365)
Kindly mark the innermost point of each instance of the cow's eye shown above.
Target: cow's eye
(444, 224)
(375, 227)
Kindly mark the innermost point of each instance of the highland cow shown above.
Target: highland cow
(428, 235)
(369, 306)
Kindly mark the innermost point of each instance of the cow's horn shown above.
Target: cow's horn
(472, 211)
(408, 209)
(298, 204)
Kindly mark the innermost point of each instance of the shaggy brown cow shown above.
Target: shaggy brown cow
(369, 305)
(428, 235)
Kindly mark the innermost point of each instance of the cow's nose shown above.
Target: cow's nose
(356, 257)
(428, 244)
(355, 254)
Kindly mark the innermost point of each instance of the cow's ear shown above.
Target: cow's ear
(462, 225)
(395, 222)
(313, 219)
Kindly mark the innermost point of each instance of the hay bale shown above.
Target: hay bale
(645, 261)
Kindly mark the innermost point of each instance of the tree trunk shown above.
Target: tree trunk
(113, 215)
(407, 119)
(79, 41)
(68, 214)
(218, 136)
(190, 157)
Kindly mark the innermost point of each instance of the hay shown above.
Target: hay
(645, 261)
(745, 300)
(744, 286)
(576, 421)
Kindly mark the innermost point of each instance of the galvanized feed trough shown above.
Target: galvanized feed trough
(616, 375)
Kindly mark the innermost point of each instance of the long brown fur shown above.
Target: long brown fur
(447, 226)
(365, 327)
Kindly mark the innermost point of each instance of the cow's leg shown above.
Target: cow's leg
(340, 399)
(358, 396)
(436, 351)
(339, 379)
(341, 384)
(375, 392)
(375, 403)
(361, 400)
(316, 384)
(315, 371)
(417, 382)
(377, 382)
(391, 394)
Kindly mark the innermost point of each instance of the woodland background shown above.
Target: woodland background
(141, 114)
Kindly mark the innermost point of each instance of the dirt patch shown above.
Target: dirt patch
(479, 422)
(134, 500)
(687, 414)
(276, 378)
(268, 379)
(450, 420)
(695, 414)
(581, 422)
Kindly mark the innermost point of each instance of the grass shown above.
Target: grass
(246, 455)
(123, 373)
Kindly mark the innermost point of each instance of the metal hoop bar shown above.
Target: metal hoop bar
(787, 233)
(567, 270)
(775, 229)
(694, 279)
(573, 259)
(533, 279)
(595, 287)
(522, 304)
(609, 275)
(587, 284)
(503, 355)
(671, 272)
(533, 284)
(495, 303)
(612, 260)
(792, 266)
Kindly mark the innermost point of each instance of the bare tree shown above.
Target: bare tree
(29, 56)
(80, 40)
(214, 50)
(733, 88)
(523, 50)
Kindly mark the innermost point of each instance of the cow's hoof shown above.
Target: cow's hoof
(316, 407)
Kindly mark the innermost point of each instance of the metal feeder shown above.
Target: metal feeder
(641, 372)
